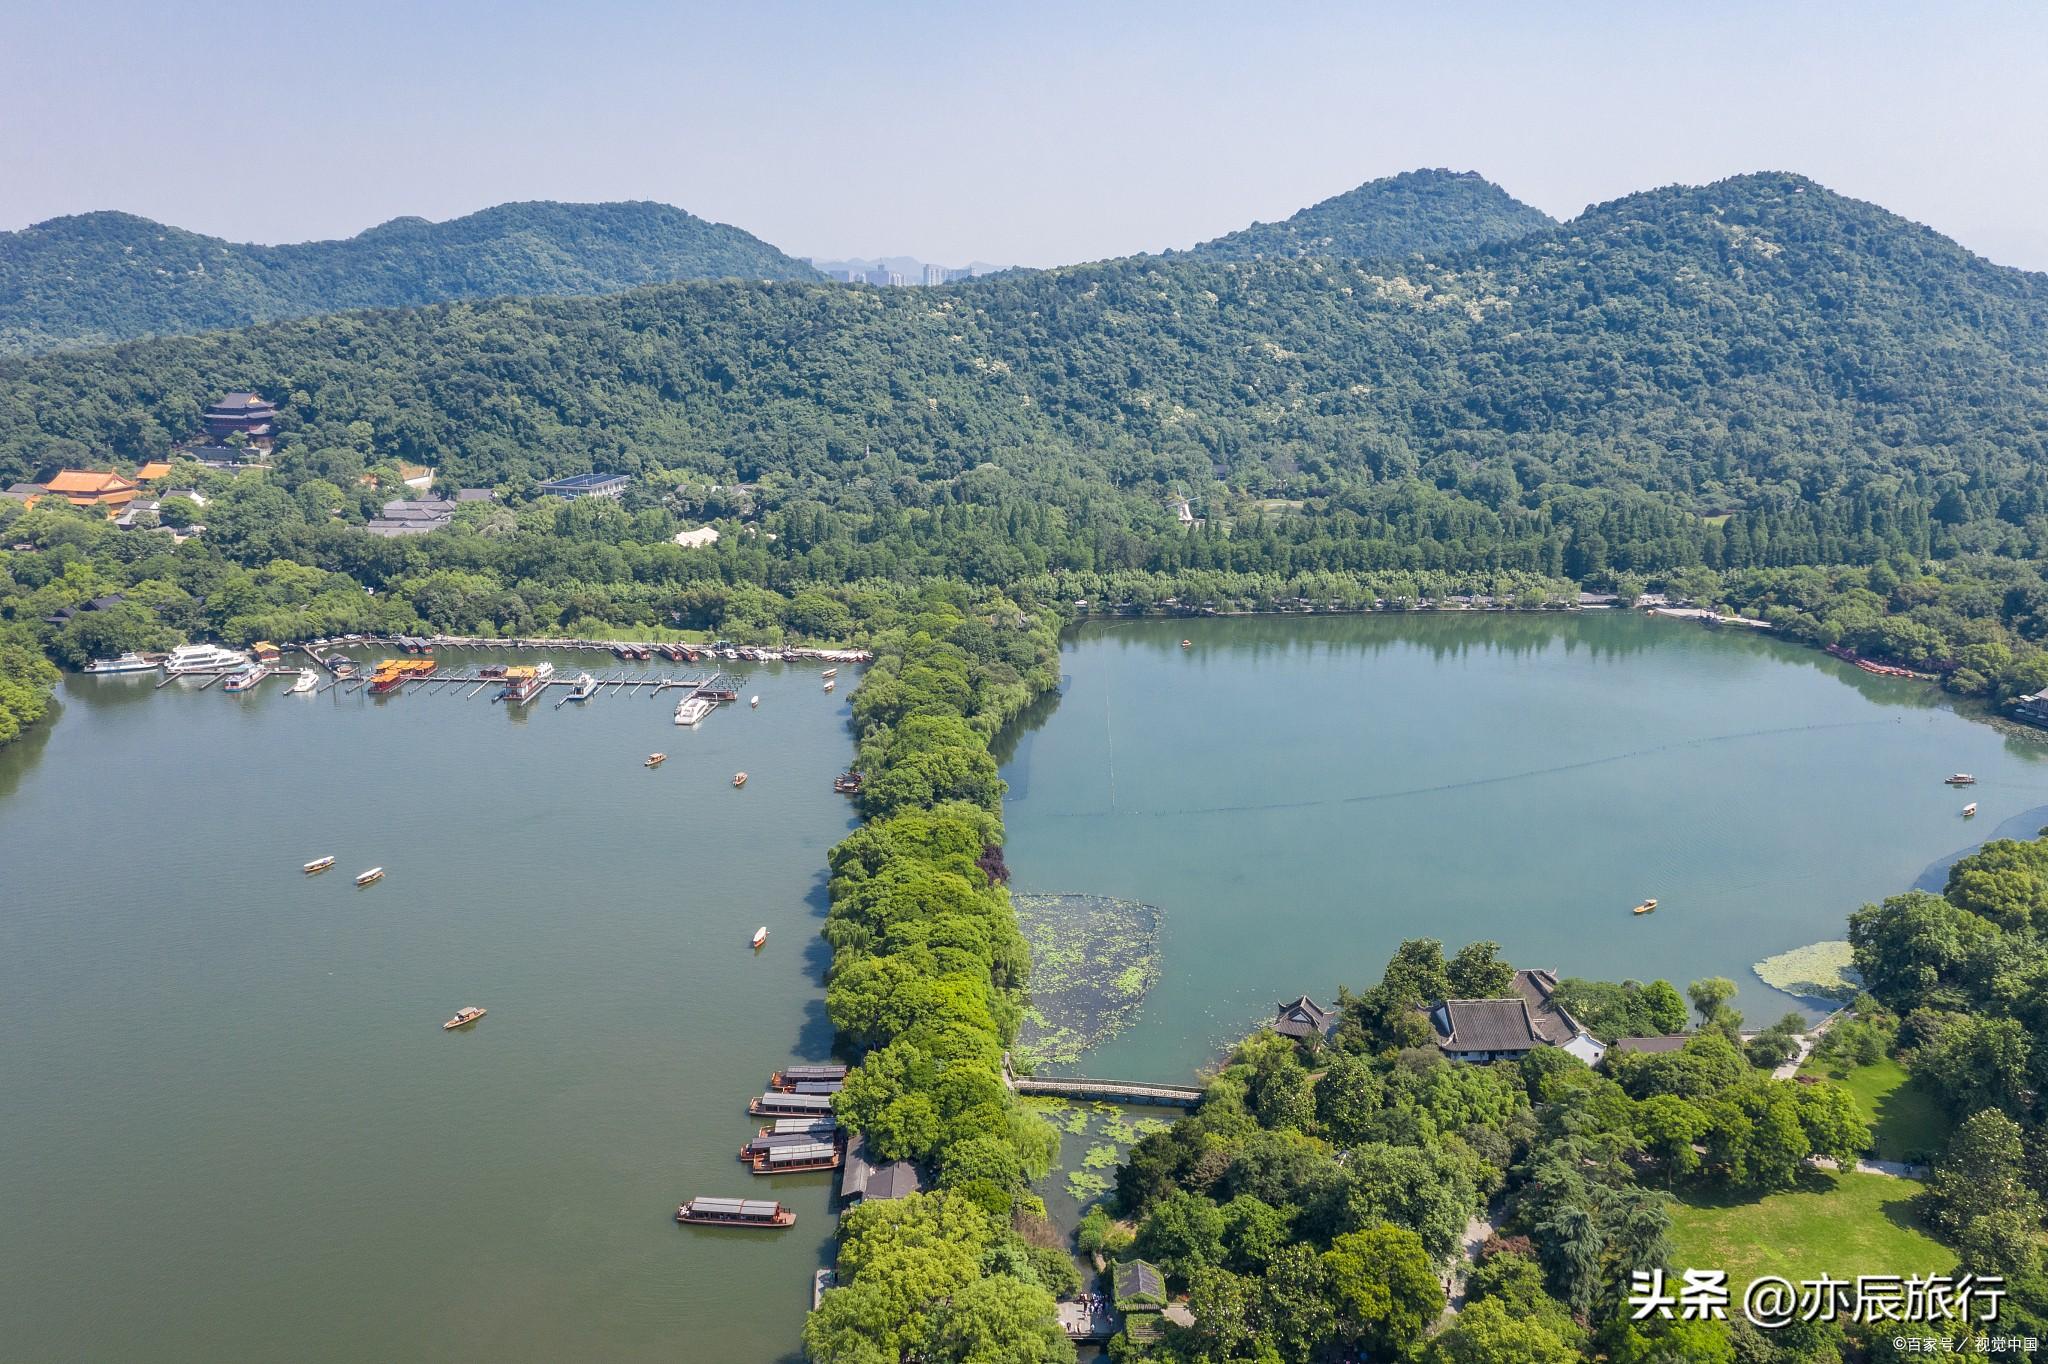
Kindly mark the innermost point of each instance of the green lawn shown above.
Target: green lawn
(1904, 1118)
(1841, 1224)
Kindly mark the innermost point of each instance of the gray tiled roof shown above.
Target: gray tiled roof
(1488, 1025)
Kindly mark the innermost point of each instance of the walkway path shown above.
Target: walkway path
(1479, 1228)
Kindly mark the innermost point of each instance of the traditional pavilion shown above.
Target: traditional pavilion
(251, 414)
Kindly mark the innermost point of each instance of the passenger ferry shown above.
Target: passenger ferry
(1645, 907)
(245, 680)
(308, 679)
(735, 1212)
(760, 935)
(464, 1016)
(125, 663)
(775, 1104)
(203, 658)
(373, 874)
(794, 1158)
(393, 673)
(318, 864)
(692, 709)
(829, 674)
(586, 687)
(789, 1077)
(523, 683)
(1961, 779)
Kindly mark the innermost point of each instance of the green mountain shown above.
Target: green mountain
(1420, 211)
(103, 277)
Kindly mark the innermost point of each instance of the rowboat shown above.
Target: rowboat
(318, 864)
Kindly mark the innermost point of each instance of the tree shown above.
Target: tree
(1982, 1172)
(1484, 1333)
(1182, 1233)
(1477, 972)
(1000, 1320)
(1710, 998)
(1383, 1287)
(1348, 1097)
(1422, 1191)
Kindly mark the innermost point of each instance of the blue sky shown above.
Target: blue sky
(1028, 134)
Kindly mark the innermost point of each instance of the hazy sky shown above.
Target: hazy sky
(1033, 133)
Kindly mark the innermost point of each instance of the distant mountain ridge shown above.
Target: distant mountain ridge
(97, 278)
(1419, 211)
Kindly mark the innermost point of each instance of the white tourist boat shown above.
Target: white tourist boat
(692, 709)
(754, 701)
(1970, 809)
(125, 663)
(203, 658)
(308, 679)
(760, 935)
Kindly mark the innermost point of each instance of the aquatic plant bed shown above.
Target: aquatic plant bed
(1092, 960)
(1822, 970)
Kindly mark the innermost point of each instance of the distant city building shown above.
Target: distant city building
(586, 485)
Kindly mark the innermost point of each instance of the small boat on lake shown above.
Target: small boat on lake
(1187, 644)
(373, 874)
(655, 760)
(1961, 779)
(829, 674)
(1645, 907)
(754, 701)
(735, 1212)
(1970, 809)
(464, 1016)
(760, 935)
(739, 779)
(318, 864)
(830, 685)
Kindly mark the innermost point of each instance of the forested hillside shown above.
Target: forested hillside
(102, 277)
(1416, 212)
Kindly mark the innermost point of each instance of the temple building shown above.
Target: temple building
(251, 414)
(93, 488)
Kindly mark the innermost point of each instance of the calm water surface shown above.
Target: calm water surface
(1299, 795)
(231, 1127)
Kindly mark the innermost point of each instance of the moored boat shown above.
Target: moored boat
(373, 874)
(735, 1212)
(318, 864)
(739, 779)
(1970, 809)
(1961, 779)
(847, 783)
(464, 1016)
(692, 709)
(1645, 907)
(760, 935)
(586, 687)
(308, 679)
(245, 679)
(125, 663)
(523, 683)
(655, 760)
(202, 658)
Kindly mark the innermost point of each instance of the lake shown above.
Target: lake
(233, 1127)
(1300, 794)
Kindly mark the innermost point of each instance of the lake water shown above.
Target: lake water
(231, 1127)
(1301, 794)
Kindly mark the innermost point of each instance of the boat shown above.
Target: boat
(202, 658)
(1970, 809)
(1961, 779)
(692, 709)
(524, 682)
(830, 685)
(391, 674)
(739, 779)
(788, 1158)
(776, 1104)
(308, 679)
(754, 701)
(789, 1077)
(493, 672)
(760, 935)
(655, 760)
(1187, 644)
(318, 864)
(1645, 907)
(246, 679)
(464, 1016)
(847, 783)
(586, 687)
(124, 663)
(373, 874)
(829, 674)
(735, 1212)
